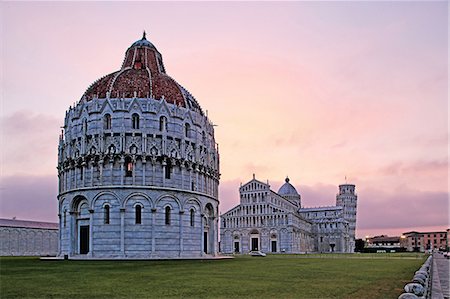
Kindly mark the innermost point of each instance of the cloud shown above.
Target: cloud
(228, 194)
(401, 207)
(416, 168)
(29, 197)
(29, 143)
(318, 195)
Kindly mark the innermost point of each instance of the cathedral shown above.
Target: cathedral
(276, 222)
(138, 167)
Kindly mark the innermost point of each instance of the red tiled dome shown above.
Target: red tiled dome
(142, 75)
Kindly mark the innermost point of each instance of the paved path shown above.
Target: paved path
(441, 277)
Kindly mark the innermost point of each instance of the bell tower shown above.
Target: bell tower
(347, 199)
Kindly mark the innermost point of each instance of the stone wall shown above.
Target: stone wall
(17, 241)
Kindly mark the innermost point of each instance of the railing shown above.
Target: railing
(420, 286)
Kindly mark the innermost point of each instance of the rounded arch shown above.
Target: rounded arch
(273, 233)
(62, 202)
(135, 119)
(77, 201)
(187, 130)
(138, 194)
(167, 205)
(164, 196)
(96, 197)
(138, 203)
(107, 121)
(254, 232)
(163, 123)
(209, 210)
(195, 201)
(236, 233)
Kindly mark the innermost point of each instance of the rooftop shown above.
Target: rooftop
(27, 224)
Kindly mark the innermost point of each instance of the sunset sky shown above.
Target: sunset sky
(318, 91)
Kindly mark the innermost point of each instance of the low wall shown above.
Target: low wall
(19, 241)
(420, 285)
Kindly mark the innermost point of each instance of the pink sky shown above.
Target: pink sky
(314, 90)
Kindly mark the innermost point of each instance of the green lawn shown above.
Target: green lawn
(275, 276)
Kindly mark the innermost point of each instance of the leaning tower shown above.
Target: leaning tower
(347, 199)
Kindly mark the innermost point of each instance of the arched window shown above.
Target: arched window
(192, 217)
(107, 122)
(138, 216)
(128, 167)
(187, 130)
(106, 214)
(167, 218)
(203, 136)
(135, 121)
(163, 124)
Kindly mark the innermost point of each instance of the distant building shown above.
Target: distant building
(28, 238)
(271, 221)
(422, 241)
(383, 242)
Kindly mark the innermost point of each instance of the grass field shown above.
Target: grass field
(275, 276)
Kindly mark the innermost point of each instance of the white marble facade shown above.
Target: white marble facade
(138, 175)
(270, 221)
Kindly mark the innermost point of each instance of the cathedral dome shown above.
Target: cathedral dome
(142, 75)
(287, 189)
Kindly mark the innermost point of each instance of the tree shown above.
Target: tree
(359, 245)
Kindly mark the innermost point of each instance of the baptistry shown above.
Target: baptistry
(138, 167)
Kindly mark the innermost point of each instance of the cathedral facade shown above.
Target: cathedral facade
(276, 222)
(138, 167)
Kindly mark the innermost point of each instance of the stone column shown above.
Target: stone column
(65, 179)
(153, 230)
(75, 177)
(181, 232)
(153, 161)
(92, 172)
(216, 231)
(100, 170)
(122, 162)
(190, 177)
(122, 231)
(72, 234)
(202, 253)
(111, 161)
(196, 178)
(144, 163)
(134, 169)
(164, 172)
(91, 233)
(83, 173)
(182, 175)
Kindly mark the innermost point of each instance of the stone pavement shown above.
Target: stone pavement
(441, 277)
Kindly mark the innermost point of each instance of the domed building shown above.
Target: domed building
(276, 222)
(138, 167)
(289, 192)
